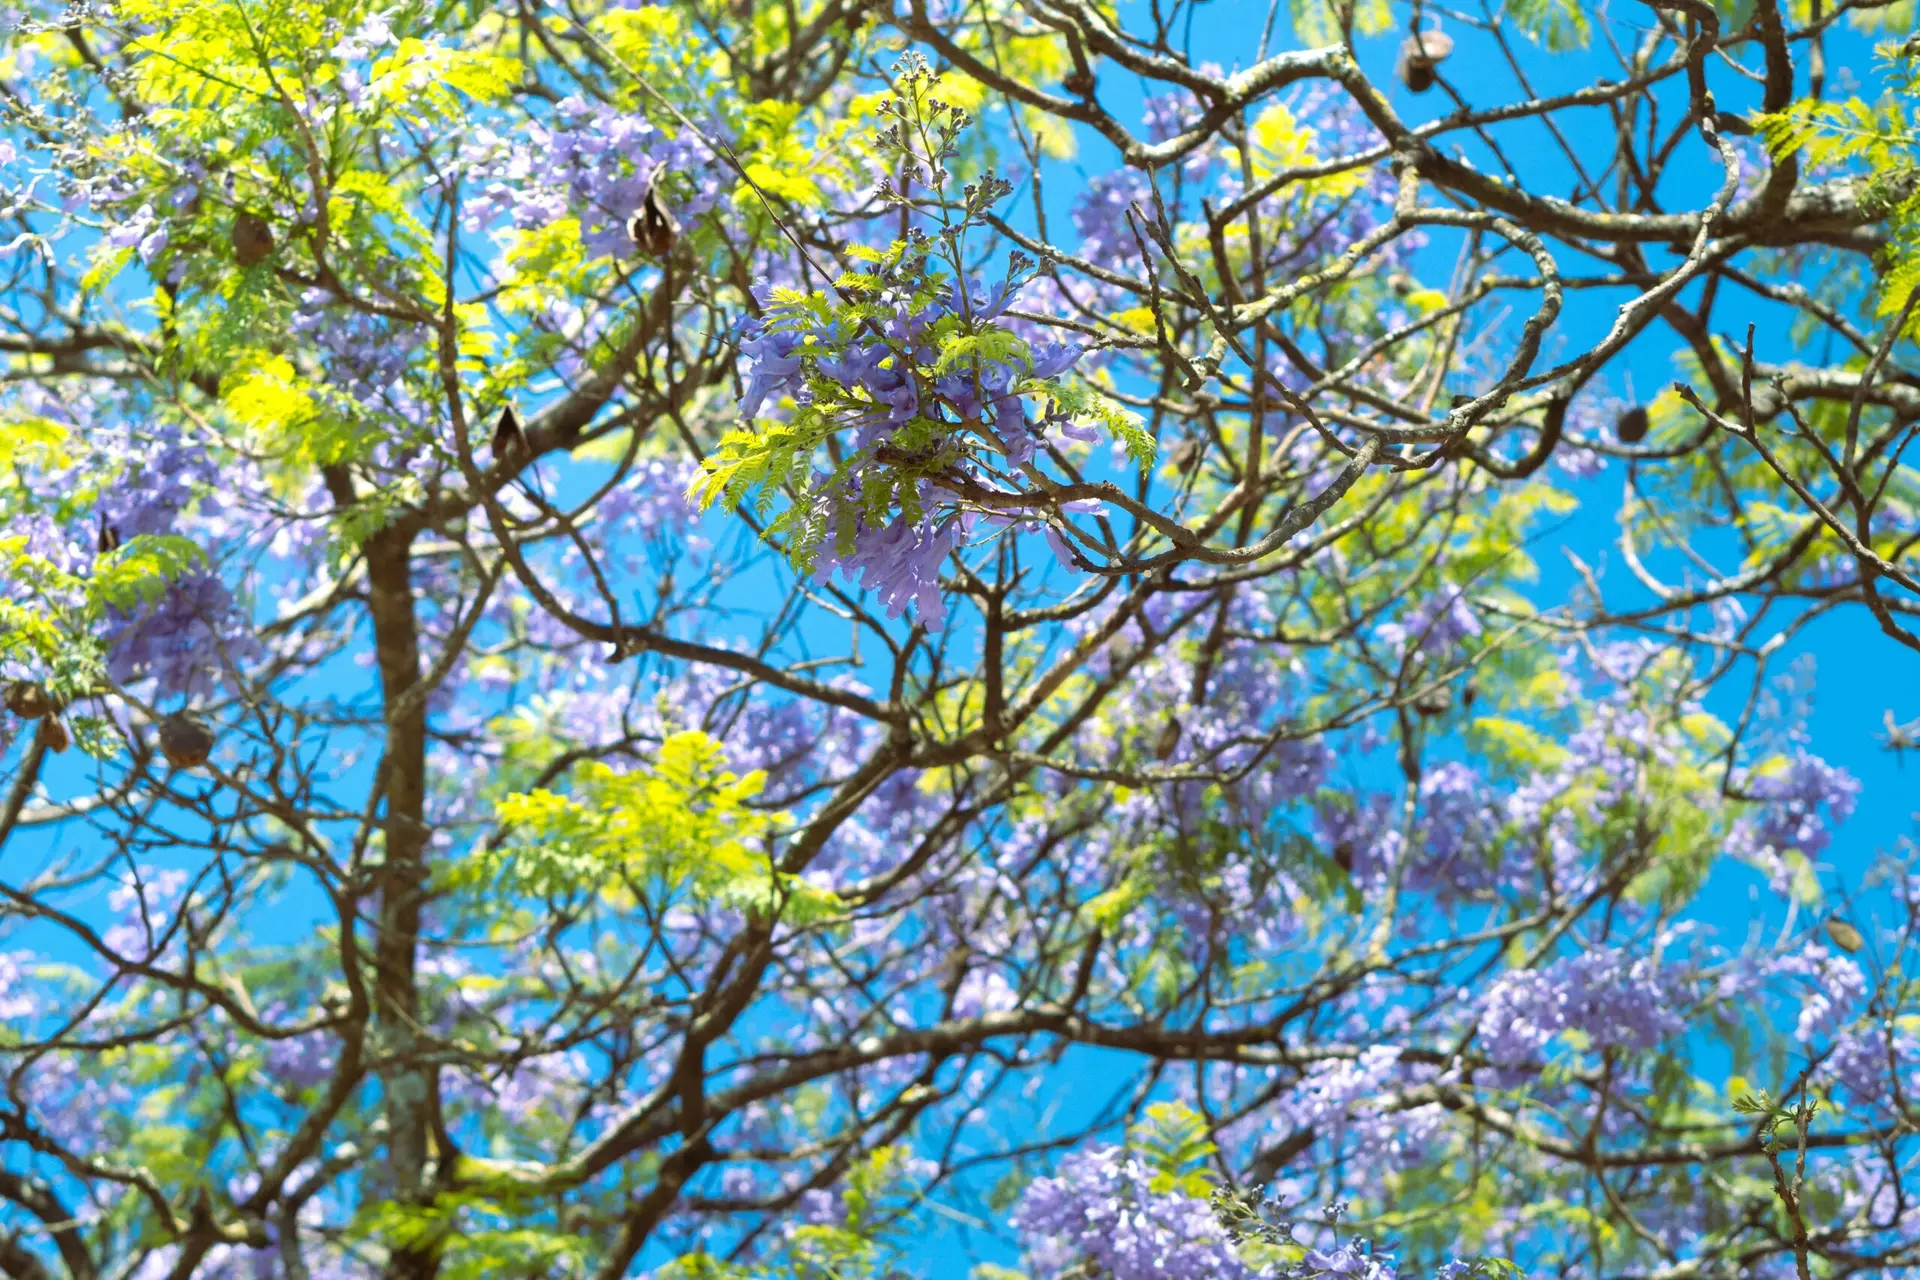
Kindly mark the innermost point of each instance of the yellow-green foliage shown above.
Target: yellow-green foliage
(1879, 139)
(683, 825)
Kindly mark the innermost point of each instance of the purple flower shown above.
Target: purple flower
(1616, 999)
(1100, 1211)
(900, 561)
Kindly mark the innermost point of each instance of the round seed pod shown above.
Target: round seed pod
(28, 700)
(185, 740)
(1434, 702)
(252, 239)
(1169, 739)
(1632, 426)
(55, 734)
(1420, 53)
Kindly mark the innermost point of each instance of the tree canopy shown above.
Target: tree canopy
(1020, 639)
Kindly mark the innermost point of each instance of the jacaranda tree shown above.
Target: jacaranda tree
(748, 638)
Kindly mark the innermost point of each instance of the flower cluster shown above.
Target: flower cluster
(184, 636)
(593, 162)
(926, 394)
(1101, 1211)
(1605, 993)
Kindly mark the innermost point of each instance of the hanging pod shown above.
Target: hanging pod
(186, 740)
(509, 436)
(654, 228)
(1632, 426)
(28, 700)
(252, 239)
(1420, 53)
(1844, 935)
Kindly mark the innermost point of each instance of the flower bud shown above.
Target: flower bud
(252, 239)
(185, 740)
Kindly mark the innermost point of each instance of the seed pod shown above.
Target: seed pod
(28, 700)
(509, 435)
(109, 539)
(1845, 936)
(1434, 702)
(1169, 739)
(55, 734)
(654, 228)
(1419, 55)
(1632, 426)
(252, 239)
(185, 740)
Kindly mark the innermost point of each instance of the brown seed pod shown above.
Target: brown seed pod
(1434, 702)
(28, 700)
(1169, 739)
(654, 228)
(1845, 936)
(1419, 55)
(1632, 426)
(55, 734)
(252, 239)
(185, 740)
(509, 436)
(109, 539)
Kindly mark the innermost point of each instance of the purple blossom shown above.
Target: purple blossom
(901, 561)
(1618, 1000)
(1100, 1210)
